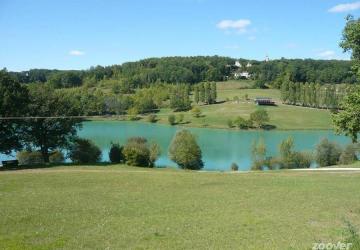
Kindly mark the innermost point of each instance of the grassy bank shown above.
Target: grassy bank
(283, 117)
(118, 207)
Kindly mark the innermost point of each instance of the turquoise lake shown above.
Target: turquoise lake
(219, 147)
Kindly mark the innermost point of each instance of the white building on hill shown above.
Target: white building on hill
(239, 73)
(238, 64)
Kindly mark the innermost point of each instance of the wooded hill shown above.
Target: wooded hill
(193, 70)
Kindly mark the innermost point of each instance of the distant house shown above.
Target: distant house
(264, 101)
(241, 72)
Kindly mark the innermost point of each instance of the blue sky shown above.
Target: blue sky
(75, 34)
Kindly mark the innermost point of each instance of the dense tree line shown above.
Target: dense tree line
(314, 95)
(129, 76)
(309, 70)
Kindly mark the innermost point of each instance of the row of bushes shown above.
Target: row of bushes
(136, 152)
(183, 150)
(327, 153)
(81, 151)
(36, 158)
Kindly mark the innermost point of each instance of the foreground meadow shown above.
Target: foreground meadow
(121, 207)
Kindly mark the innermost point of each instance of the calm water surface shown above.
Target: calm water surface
(220, 147)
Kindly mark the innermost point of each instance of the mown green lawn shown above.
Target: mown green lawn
(120, 207)
(283, 117)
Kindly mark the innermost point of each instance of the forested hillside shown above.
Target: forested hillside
(191, 70)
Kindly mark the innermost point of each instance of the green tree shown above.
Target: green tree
(196, 112)
(349, 154)
(327, 153)
(312, 95)
(259, 117)
(290, 159)
(185, 151)
(137, 153)
(180, 118)
(298, 93)
(155, 152)
(213, 92)
(317, 96)
(351, 41)
(55, 128)
(196, 95)
(172, 119)
(307, 98)
(292, 93)
(202, 92)
(14, 101)
(234, 167)
(286, 153)
(179, 98)
(84, 151)
(285, 91)
(115, 154)
(230, 123)
(207, 93)
(152, 118)
(347, 121)
(258, 154)
(242, 123)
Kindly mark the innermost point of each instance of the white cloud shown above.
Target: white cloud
(76, 53)
(345, 7)
(327, 54)
(240, 25)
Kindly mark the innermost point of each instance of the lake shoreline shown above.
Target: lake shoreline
(114, 119)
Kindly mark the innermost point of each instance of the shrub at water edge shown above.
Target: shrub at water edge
(327, 153)
(291, 159)
(56, 157)
(171, 119)
(349, 154)
(185, 151)
(234, 167)
(138, 153)
(116, 153)
(152, 118)
(84, 151)
(29, 158)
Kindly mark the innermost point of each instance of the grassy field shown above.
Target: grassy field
(354, 165)
(282, 116)
(119, 207)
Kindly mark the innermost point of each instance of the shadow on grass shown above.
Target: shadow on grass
(53, 165)
(268, 127)
(183, 123)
